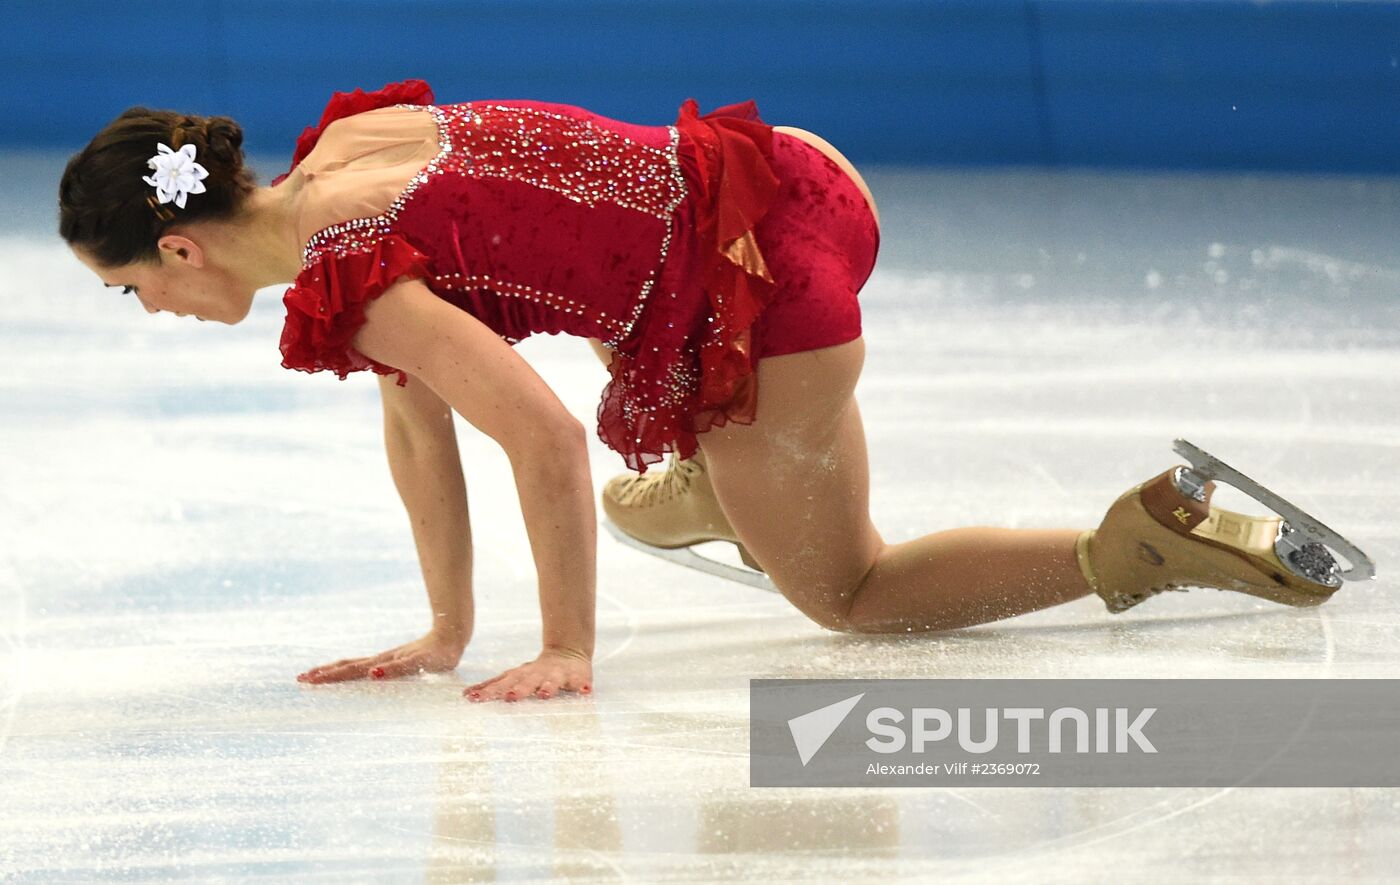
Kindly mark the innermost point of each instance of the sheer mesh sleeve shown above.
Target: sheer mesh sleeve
(346, 104)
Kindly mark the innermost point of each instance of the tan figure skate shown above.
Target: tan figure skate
(1163, 535)
(665, 513)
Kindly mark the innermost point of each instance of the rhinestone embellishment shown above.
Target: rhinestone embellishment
(674, 163)
(521, 144)
(361, 234)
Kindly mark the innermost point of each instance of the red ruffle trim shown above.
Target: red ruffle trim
(732, 150)
(346, 104)
(734, 156)
(326, 306)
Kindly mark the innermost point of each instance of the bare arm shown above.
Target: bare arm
(422, 446)
(421, 443)
(486, 381)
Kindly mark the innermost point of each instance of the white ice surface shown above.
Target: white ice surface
(185, 526)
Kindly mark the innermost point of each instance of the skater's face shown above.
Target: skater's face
(185, 282)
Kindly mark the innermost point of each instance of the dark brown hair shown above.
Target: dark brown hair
(106, 209)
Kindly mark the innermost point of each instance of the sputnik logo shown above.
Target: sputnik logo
(810, 731)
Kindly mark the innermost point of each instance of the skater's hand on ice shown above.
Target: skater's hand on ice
(432, 653)
(555, 670)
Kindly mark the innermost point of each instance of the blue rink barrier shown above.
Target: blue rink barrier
(1288, 85)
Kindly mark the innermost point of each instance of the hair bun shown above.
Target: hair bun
(223, 135)
(218, 140)
(105, 204)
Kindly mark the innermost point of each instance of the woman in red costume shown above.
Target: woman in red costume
(714, 264)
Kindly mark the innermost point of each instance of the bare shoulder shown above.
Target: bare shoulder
(398, 326)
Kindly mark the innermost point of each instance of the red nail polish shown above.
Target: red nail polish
(377, 672)
(586, 689)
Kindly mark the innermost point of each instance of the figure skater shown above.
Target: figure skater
(714, 264)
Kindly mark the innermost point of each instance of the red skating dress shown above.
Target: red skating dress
(545, 217)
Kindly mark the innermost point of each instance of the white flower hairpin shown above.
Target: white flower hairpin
(177, 175)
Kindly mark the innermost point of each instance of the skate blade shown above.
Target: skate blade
(690, 559)
(1210, 467)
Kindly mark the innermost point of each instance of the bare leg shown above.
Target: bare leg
(795, 486)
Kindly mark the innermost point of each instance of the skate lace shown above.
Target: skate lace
(648, 491)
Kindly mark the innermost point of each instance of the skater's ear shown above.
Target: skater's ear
(106, 206)
(176, 248)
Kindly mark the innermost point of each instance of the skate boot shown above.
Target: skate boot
(1163, 535)
(664, 514)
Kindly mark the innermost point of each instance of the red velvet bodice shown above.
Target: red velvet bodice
(545, 217)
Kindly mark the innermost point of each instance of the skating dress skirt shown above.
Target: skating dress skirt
(691, 250)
